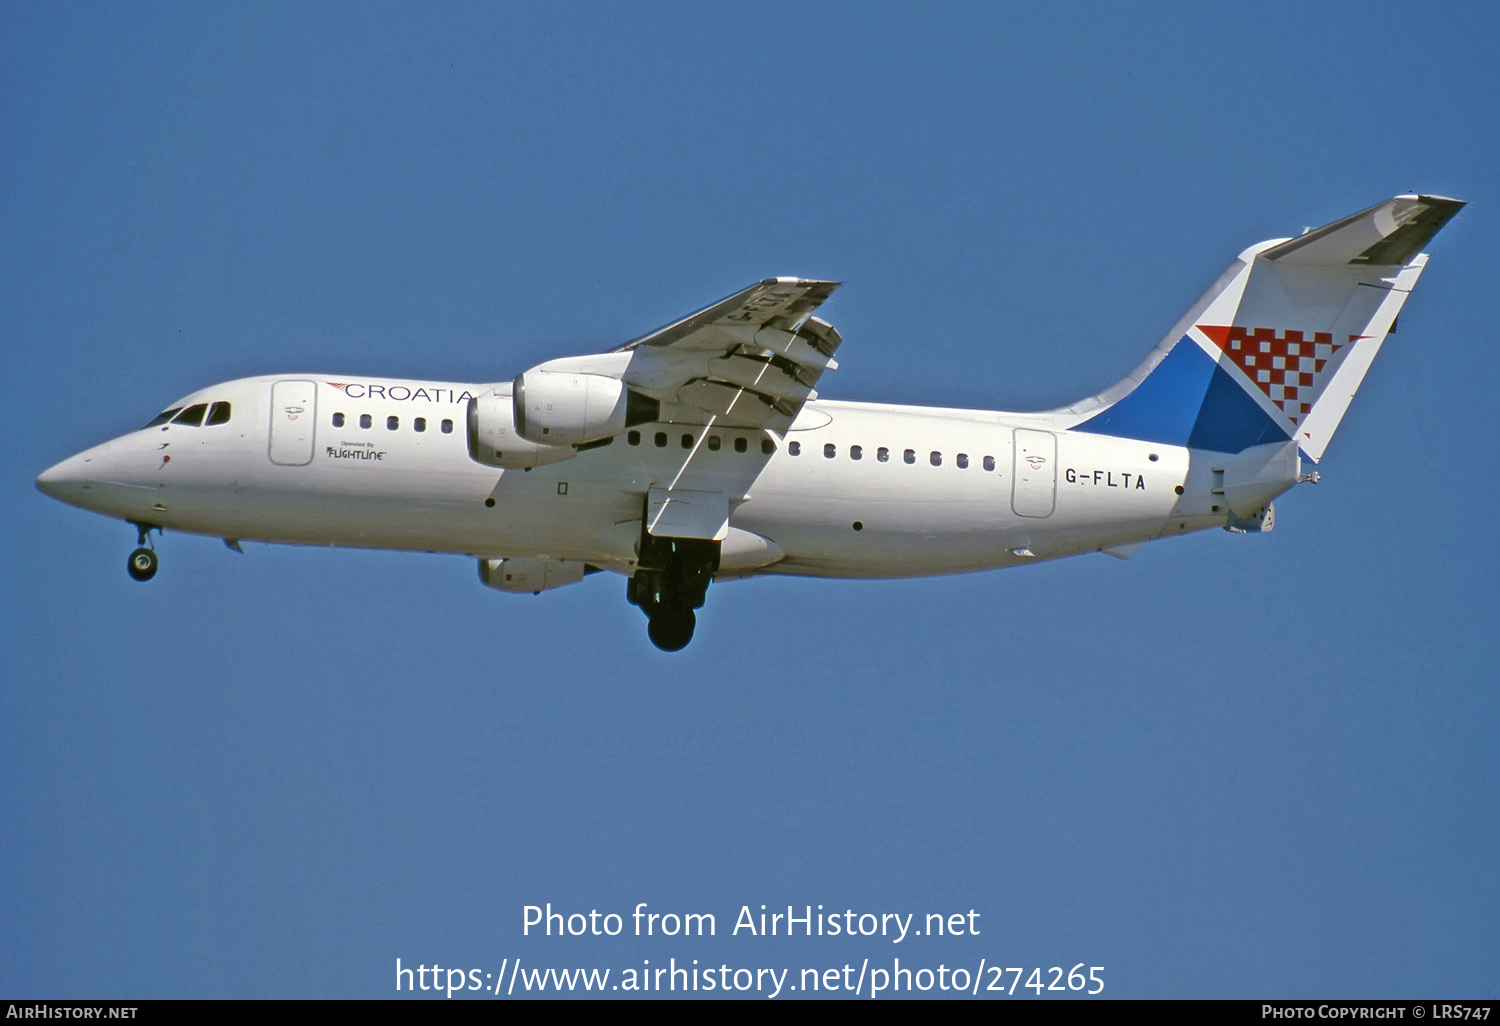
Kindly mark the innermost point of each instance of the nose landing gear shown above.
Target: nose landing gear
(142, 565)
(143, 562)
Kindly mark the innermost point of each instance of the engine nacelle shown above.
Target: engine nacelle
(566, 408)
(494, 440)
(530, 576)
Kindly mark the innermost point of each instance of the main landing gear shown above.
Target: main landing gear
(143, 561)
(670, 583)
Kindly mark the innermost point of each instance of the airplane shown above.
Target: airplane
(700, 452)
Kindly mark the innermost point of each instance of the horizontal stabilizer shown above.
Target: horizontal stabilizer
(1389, 233)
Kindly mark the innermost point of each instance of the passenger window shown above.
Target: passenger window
(963, 461)
(936, 458)
(740, 444)
(794, 448)
(989, 463)
(218, 413)
(447, 427)
(338, 420)
(767, 446)
(634, 438)
(883, 454)
(830, 451)
(392, 423)
(364, 420)
(661, 439)
(714, 442)
(856, 452)
(687, 441)
(419, 425)
(909, 456)
(192, 416)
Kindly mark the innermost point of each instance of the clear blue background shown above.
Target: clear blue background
(1233, 766)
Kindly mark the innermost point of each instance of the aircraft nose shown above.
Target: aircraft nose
(65, 480)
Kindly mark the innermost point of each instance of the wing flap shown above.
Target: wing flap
(811, 346)
(762, 375)
(684, 513)
(750, 360)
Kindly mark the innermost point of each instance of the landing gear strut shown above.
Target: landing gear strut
(670, 583)
(143, 562)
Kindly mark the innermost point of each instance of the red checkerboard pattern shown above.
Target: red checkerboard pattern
(1288, 367)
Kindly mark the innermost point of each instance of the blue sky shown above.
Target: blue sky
(1230, 767)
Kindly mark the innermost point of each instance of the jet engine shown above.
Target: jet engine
(532, 576)
(561, 408)
(494, 440)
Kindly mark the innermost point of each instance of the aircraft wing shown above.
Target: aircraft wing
(748, 361)
(743, 366)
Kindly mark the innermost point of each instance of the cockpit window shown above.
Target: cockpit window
(218, 413)
(192, 416)
(162, 417)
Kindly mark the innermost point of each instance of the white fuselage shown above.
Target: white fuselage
(934, 491)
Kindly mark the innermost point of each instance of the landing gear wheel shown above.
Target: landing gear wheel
(142, 565)
(671, 629)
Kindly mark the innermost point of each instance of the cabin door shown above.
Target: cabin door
(294, 408)
(1034, 481)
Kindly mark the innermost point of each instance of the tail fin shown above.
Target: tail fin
(1276, 349)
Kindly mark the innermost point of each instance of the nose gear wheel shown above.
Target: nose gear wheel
(142, 565)
(143, 562)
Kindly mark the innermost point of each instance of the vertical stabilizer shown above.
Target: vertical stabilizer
(1278, 347)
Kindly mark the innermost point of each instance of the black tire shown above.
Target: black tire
(671, 630)
(142, 564)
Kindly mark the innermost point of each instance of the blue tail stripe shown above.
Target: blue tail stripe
(1188, 400)
(1163, 407)
(1230, 420)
